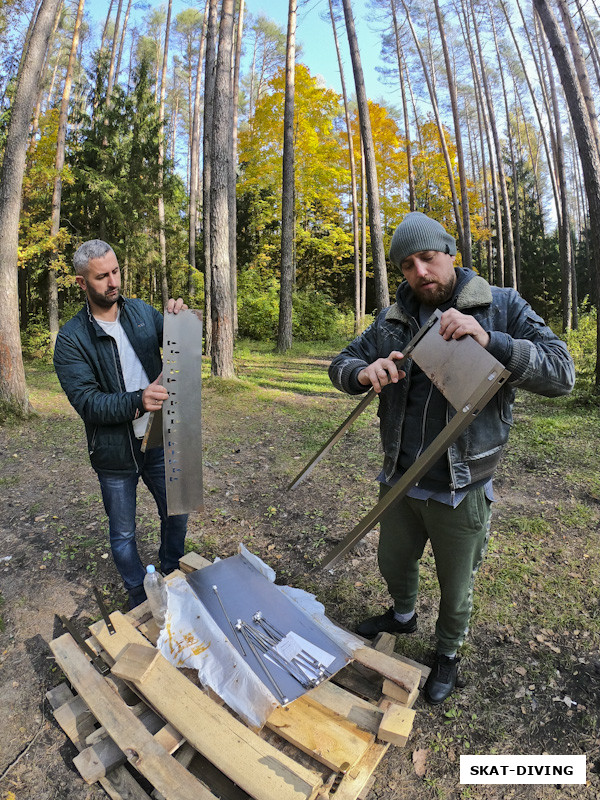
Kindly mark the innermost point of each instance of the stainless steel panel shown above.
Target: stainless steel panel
(182, 418)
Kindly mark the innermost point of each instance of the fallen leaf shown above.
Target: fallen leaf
(521, 670)
(419, 758)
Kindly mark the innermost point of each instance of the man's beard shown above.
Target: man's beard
(103, 300)
(438, 296)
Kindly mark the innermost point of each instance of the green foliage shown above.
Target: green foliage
(315, 316)
(35, 340)
(582, 346)
(258, 306)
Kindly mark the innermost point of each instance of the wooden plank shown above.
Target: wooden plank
(423, 669)
(398, 694)
(321, 733)
(100, 733)
(405, 676)
(396, 724)
(384, 642)
(120, 784)
(259, 768)
(76, 720)
(361, 712)
(96, 760)
(356, 778)
(130, 735)
(136, 662)
(350, 679)
(193, 561)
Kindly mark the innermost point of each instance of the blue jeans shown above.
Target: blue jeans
(119, 496)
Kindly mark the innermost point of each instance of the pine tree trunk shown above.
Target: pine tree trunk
(586, 142)
(352, 160)
(209, 96)
(13, 389)
(467, 258)
(382, 294)
(510, 247)
(195, 161)
(412, 193)
(233, 174)
(222, 325)
(58, 166)
(284, 332)
(162, 238)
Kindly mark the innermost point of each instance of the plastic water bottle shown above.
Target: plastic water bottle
(156, 592)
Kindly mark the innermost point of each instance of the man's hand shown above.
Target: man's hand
(154, 395)
(175, 306)
(382, 372)
(454, 325)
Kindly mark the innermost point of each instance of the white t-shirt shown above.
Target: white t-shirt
(133, 372)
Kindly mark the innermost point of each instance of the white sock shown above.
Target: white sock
(403, 617)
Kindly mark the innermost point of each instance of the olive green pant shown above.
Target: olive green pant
(459, 538)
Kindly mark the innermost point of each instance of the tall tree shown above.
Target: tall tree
(586, 141)
(465, 228)
(222, 323)
(284, 333)
(207, 161)
(162, 239)
(195, 160)
(382, 292)
(353, 182)
(235, 94)
(59, 164)
(13, 389)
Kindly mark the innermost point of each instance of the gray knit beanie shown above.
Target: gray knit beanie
(418, 232)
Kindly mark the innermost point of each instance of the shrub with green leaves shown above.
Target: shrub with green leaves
(315, 316)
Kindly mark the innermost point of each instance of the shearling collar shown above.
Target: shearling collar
(472, 291)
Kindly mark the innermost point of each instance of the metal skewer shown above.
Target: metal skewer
(237, 636)
(261, 661)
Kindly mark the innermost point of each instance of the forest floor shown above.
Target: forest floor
(532, 661)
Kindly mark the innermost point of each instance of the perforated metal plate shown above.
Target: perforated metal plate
(181, 413)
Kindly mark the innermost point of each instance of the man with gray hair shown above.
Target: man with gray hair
(107, 358)
(451, 505)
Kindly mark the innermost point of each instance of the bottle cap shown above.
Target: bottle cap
(150, 569)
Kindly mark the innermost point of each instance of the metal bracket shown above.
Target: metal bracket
(97, 662)
(468, 377)
(367, 399)
(104, 611)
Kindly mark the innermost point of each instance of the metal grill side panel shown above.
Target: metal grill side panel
(182, 422)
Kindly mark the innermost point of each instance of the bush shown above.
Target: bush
(582, 346)
(35, 341)
(258, 306)
(315, 316)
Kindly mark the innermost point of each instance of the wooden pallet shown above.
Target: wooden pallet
(146, 729)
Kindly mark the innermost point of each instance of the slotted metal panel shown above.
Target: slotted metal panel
(181, 413)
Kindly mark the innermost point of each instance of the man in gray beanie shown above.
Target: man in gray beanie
(451, 505)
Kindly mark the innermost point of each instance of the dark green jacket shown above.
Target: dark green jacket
(89, 370)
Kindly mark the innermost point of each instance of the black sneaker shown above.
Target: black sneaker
(442, 679)
(369, 628)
